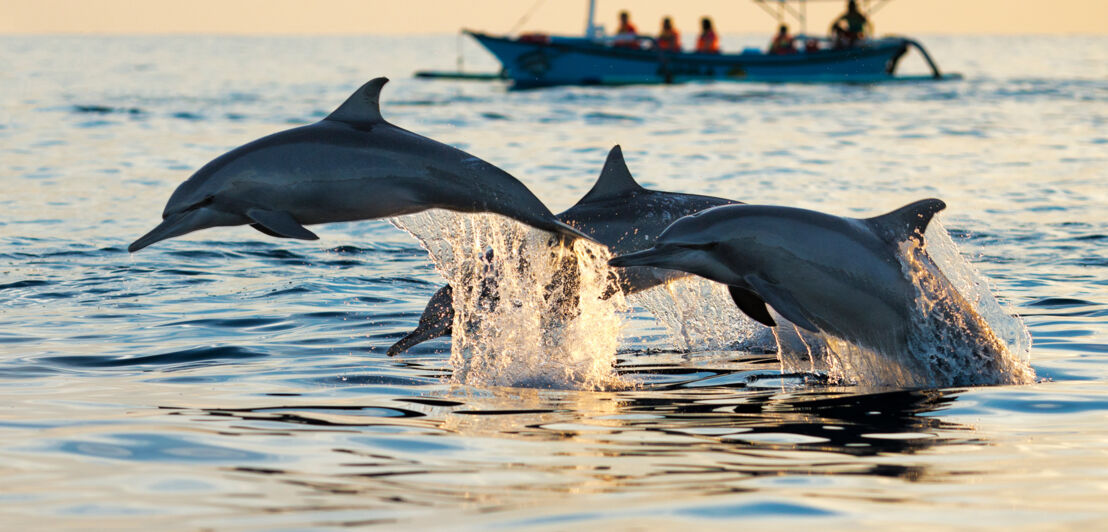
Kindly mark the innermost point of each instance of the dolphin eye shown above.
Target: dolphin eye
(202, 203)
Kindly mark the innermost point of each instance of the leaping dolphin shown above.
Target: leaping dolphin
(352, 165)
(841, 276)
(616, 212)
(821, 272)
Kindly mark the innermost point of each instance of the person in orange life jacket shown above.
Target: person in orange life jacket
(707, 43)
(669, 40)
(627, 34)
(782, 42)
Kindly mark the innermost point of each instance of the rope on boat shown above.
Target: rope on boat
(526, 16)
(934, 68)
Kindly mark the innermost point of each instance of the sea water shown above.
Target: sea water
(230, 380)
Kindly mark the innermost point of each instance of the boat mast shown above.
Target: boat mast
(590, 24)
(803, 17)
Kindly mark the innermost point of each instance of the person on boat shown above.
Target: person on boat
(782, 42)
(669, 39)
(708, 42)
(850, 27)
(627, 36)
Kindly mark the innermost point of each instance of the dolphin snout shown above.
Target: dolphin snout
(169, 228)
(660, 257)
(183, 223)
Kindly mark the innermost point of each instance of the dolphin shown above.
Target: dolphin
(437, 320)
(352, 165)
(824, 273)
(616, 212)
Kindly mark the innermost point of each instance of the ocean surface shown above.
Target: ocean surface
(229, 380)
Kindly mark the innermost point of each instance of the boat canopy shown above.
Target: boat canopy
(780, 9)
(798, 9)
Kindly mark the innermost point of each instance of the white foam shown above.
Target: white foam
(700, 316)
(535, 332)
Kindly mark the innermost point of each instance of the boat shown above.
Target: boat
(539, 60)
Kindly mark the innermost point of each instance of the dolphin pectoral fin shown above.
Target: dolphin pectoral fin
(751, 305)
(782, 301)
(261, 228)
(279, 224)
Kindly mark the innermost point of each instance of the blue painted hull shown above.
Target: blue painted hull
(574, 61)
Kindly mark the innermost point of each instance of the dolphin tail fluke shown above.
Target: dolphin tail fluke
(567, 230)
(437, 320)
(182, 223)
(549, 223)
(412, 339)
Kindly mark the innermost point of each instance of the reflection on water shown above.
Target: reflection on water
(309, 448)
(710, 439)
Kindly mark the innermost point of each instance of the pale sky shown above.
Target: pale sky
(500, 16)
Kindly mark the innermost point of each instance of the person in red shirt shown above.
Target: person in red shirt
(627, 36)
(708, 42)
(669, 39)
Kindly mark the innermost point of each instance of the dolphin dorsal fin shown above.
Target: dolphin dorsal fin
(362, 107)
(909, 221)
(615, 179)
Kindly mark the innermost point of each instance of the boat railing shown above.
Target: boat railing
(641, 42)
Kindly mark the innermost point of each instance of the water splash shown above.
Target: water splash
(1008, 326)
(700, 316)
(527, 312)
(965, 336)
(960, 334)
(530, 313)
